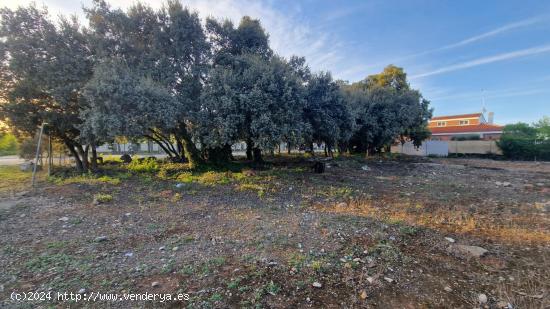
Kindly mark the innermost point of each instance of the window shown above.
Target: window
(464, 122)
(441, 123)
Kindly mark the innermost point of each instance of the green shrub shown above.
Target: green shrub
(215, 178)
(148, 165)
(521, 142)
(8, 145)
(88, 178)
(473, 137)
(172, 170)
(111, 159)
(102, 198)
(185, 177)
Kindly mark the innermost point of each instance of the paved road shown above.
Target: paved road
(11, 160)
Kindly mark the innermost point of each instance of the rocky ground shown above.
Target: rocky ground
(375, 233)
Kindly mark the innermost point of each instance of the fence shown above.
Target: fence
(434, 148)
(474, 147)
(444, 148)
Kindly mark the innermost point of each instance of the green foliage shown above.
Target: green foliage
(215, 178)
(43, 69)
(521, 141)
(256, 100)
(543, 128)
(158, 58)
(102, 198)
(466, 138)
(385, 109)
(173, 170)
(27, 148)
(88, 178)
(8, 145)
(147, 165)
(124, 103)
(163, 75)
(326, 113)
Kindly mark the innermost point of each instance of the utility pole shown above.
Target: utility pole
(37, 153)
(50, 158)
(483, 110)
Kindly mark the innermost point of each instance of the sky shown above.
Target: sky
(463, 55)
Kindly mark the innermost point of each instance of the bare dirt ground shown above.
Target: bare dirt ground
(368, 233)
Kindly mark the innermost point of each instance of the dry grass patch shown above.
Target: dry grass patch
(513, 228)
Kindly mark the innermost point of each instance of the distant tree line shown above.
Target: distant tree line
(522, 141)
(193, 88)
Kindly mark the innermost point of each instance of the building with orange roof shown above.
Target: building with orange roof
(445, 128)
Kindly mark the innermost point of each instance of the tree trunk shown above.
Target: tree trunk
(258, 155)
(191, 152)
(249, 146)
(94, 157)
(83, 154)
(218, 155)
(72, 150)
(312, 150)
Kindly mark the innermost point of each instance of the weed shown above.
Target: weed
(185, 177)
(217, 262)
(317, 266)
(214, 178)
(148, 165)
(168, 267)
(233, 284)
(297, 260)
(172, 170)
(187, 270)
(89, 178)
(252, 187)
(272, 288)
(216, 297)
(43, 263)
(102, 198)
(56, 244)
(408, 230)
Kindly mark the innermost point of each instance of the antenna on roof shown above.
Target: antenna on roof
(483, 110)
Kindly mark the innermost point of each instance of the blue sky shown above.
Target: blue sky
(451, 50)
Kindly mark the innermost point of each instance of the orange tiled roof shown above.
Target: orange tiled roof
(457, 116)
(466, 129)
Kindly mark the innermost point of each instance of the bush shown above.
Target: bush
(215, 178)
(144, 166)
(8, 145)
(27, 148)
(102, 198)
(519, 142)
(185, 177)
(172, 170)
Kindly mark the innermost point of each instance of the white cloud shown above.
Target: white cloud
(364, 69)
(505, 28)
(493, 94)
(487, 60)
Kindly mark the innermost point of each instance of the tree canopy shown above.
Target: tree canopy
(385, 109)
(194, 89)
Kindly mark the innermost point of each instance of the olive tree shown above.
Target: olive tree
(386, 109)
(258, 101)
(43, 68)
(168, 47)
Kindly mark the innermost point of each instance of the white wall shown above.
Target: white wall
(436, 148)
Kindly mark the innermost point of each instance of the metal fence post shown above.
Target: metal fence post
(37, 154)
